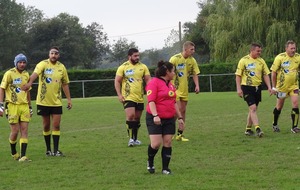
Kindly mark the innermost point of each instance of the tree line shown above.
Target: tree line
(222, 33)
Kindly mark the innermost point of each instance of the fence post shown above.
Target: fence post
(210, 83)
(83, 93)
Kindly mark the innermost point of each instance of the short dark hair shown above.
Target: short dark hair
(162, 68)
(55, 47)
(132, 51)
(254, 45)
(289, 42)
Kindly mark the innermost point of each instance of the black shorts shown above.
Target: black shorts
(137, 106)
(252, 94)
(48, 110)
(167, 126)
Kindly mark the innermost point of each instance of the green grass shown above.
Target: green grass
(218, 156)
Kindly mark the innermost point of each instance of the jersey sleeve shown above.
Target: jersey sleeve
(151, 90)
(39, 68)
(240, 68)
(276, 64)
(120, 71)
(196, 69)
(65, 78)
(5, 80)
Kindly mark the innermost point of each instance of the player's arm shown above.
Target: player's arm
(2, 91)
(274, 81)
(196, 81)
(32, 78)
(268, 83)
(66, 90)
(118, 82)
(238, 85)
(147, 78)
(179, 118)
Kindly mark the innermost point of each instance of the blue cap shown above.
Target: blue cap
(20, 57)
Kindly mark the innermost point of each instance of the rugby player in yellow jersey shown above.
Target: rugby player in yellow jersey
(53, 77)
(185, 66)
(285, 77)
(130, 90)
(18, 106)
(249, 73)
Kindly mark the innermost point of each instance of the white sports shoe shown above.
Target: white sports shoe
(130, 142)
(137, 142)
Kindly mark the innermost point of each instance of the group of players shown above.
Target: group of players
(167, 95)
(15, 101)
(284, 83)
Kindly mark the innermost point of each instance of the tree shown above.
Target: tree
(120, 49)
(12, 33)
(229, 26)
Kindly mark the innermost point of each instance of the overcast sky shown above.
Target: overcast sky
(146, 22)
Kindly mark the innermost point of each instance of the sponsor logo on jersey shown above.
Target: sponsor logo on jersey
(48, 80)
(171, 93)
(252, 73)
(149, 92)
(180, 66)
(131, 80)
(129, 72)
(18, 90)
(48, 71)
(250, 66)
(17, 81)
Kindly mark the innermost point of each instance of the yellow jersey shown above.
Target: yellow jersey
(287, 69)
(252, 70)
(51, 78)
(12, 82)
(132, 83)
(184, 68)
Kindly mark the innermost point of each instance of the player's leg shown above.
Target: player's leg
(44, 112)
(23, 140)
(130, 121)
(276, 113)
(138, 113)
(24, 122)
(56, 119)
(13, 120)
(182, 104)
(166, 153)
(295, 113)
(14, 129)
(155, 136)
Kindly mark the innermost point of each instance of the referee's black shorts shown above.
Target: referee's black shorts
(167, 126)
(252, 94)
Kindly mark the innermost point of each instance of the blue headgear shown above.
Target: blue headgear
(20, 57)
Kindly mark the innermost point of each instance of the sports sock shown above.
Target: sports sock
(248, 128)
(151, 154)
(23, 146)
(47, 137)
(179, 132)
(129, 129)
(295, 117)
(166, 153)
(257, 127)
(55, 136)
(13, 147)
(276, 114)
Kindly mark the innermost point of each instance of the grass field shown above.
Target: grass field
(218, 156)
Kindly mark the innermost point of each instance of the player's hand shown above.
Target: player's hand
(121, 99)
(197, 89)
(240, 93)
(181, 124)
(25, 87)
(157, 120)
(69, 106)
(30, 111)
